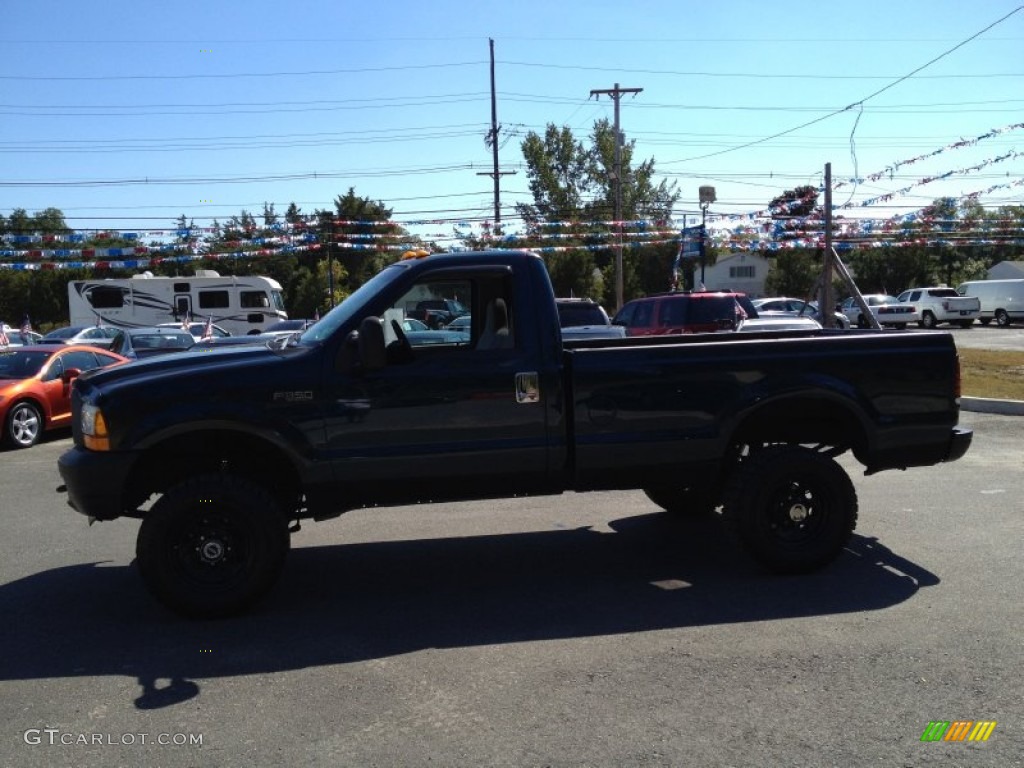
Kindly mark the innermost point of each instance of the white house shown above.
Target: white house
(1006, 270)
(741, 271)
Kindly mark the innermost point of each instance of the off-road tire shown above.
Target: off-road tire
(212, 546)
(791, 508)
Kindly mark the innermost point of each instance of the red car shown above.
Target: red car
(683, 312)
(35, 387)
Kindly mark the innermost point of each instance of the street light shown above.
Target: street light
(707, 197)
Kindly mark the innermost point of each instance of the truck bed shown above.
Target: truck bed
(654, 405)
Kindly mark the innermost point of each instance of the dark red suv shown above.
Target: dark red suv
(676, 313)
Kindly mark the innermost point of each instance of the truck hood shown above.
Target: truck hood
(188, 368)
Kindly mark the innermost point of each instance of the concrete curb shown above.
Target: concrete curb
(988, 405)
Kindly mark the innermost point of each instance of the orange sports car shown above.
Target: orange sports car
(35, 387)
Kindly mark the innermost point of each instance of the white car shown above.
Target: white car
(197, 328)
(779, 323)
(784, 306)
(887, 309)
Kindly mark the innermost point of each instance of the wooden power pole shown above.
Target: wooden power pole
(492, 139)
(616, 94)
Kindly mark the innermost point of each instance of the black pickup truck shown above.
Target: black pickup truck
(222, 453)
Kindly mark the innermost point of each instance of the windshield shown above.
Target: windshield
(22, 365)
(571, 315)
(355, 304)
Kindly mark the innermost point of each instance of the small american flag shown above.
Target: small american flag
(207, 329)
(4, 341)
(184, 322)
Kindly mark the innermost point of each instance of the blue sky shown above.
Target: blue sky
(221, 106)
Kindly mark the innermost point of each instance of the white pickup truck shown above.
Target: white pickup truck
(942, 305)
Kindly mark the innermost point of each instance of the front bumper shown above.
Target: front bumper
(95, 481)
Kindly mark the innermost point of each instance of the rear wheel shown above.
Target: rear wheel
(965, 323)
(212, 546)
(24, 425)
(792, 508)
(1002, 318)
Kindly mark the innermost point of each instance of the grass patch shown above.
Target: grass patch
(992, 373)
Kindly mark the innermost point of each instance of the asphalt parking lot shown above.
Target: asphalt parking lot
(575, 630)
(988, 337)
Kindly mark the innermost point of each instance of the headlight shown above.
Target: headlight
(94, 428)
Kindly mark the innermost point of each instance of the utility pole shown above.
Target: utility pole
(616, 94)
(329, 243)
(492, 139)
(826, 303)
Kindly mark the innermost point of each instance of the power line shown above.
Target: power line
(861, 101)
(759, 75)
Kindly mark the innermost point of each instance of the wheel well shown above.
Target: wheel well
(168, 463)
(802, 420)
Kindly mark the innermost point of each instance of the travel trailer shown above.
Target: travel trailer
(1001, 300)
(241, 305)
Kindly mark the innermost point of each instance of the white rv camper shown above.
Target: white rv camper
(241, 305)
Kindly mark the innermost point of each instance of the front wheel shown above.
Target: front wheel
(24, 425)
(212, 546)
(927, 320)
(792, 508)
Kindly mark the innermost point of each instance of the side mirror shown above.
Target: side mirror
(70, 375)
(372, 351)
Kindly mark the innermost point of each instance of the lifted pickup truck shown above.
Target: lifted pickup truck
(222, 453)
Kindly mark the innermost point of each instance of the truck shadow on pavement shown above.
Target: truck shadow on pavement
(354, 602)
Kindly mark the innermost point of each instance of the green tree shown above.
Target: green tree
(50, 221)
(794, 270)
(20, 223)
(270, 218)
(361, 236)
(573, 186)
(294, 214)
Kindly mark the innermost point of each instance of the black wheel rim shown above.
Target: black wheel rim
(210, 548)
(796, 512)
